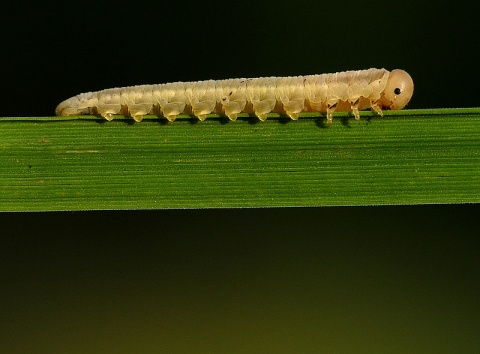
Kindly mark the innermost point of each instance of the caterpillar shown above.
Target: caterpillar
(349, 91)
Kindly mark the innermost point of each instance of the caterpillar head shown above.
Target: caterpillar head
(398, 91)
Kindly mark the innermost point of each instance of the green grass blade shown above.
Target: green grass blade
(407, 157)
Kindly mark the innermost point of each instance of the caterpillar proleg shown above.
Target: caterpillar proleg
(347, 91)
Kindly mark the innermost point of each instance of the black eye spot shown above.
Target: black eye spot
(397, 91)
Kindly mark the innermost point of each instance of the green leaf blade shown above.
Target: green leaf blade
(407, 157)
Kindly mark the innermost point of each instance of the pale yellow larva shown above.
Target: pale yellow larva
(376, 89)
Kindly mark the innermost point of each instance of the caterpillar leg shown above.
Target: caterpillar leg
(231, 94)
(262, 108)
(107, 111)
(261, 92)
(108, 116)
(293, 116)
(108, 103)
(291, 93)
(232, 109)
(354, 108)
(172, 109)
(232, 116)
(293, 108)
(331, 107)
(137, 117)
(202, 109)
(376, 107)
(202, 97)
(137, 111)
(170, 118)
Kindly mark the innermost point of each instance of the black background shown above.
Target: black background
(351, 279)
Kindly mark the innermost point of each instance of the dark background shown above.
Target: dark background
(392, 279)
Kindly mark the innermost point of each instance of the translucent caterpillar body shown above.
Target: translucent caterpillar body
(376, 89)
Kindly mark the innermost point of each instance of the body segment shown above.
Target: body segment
(376, 89)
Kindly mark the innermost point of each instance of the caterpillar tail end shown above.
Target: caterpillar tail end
(67, 108)
(77, 105)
